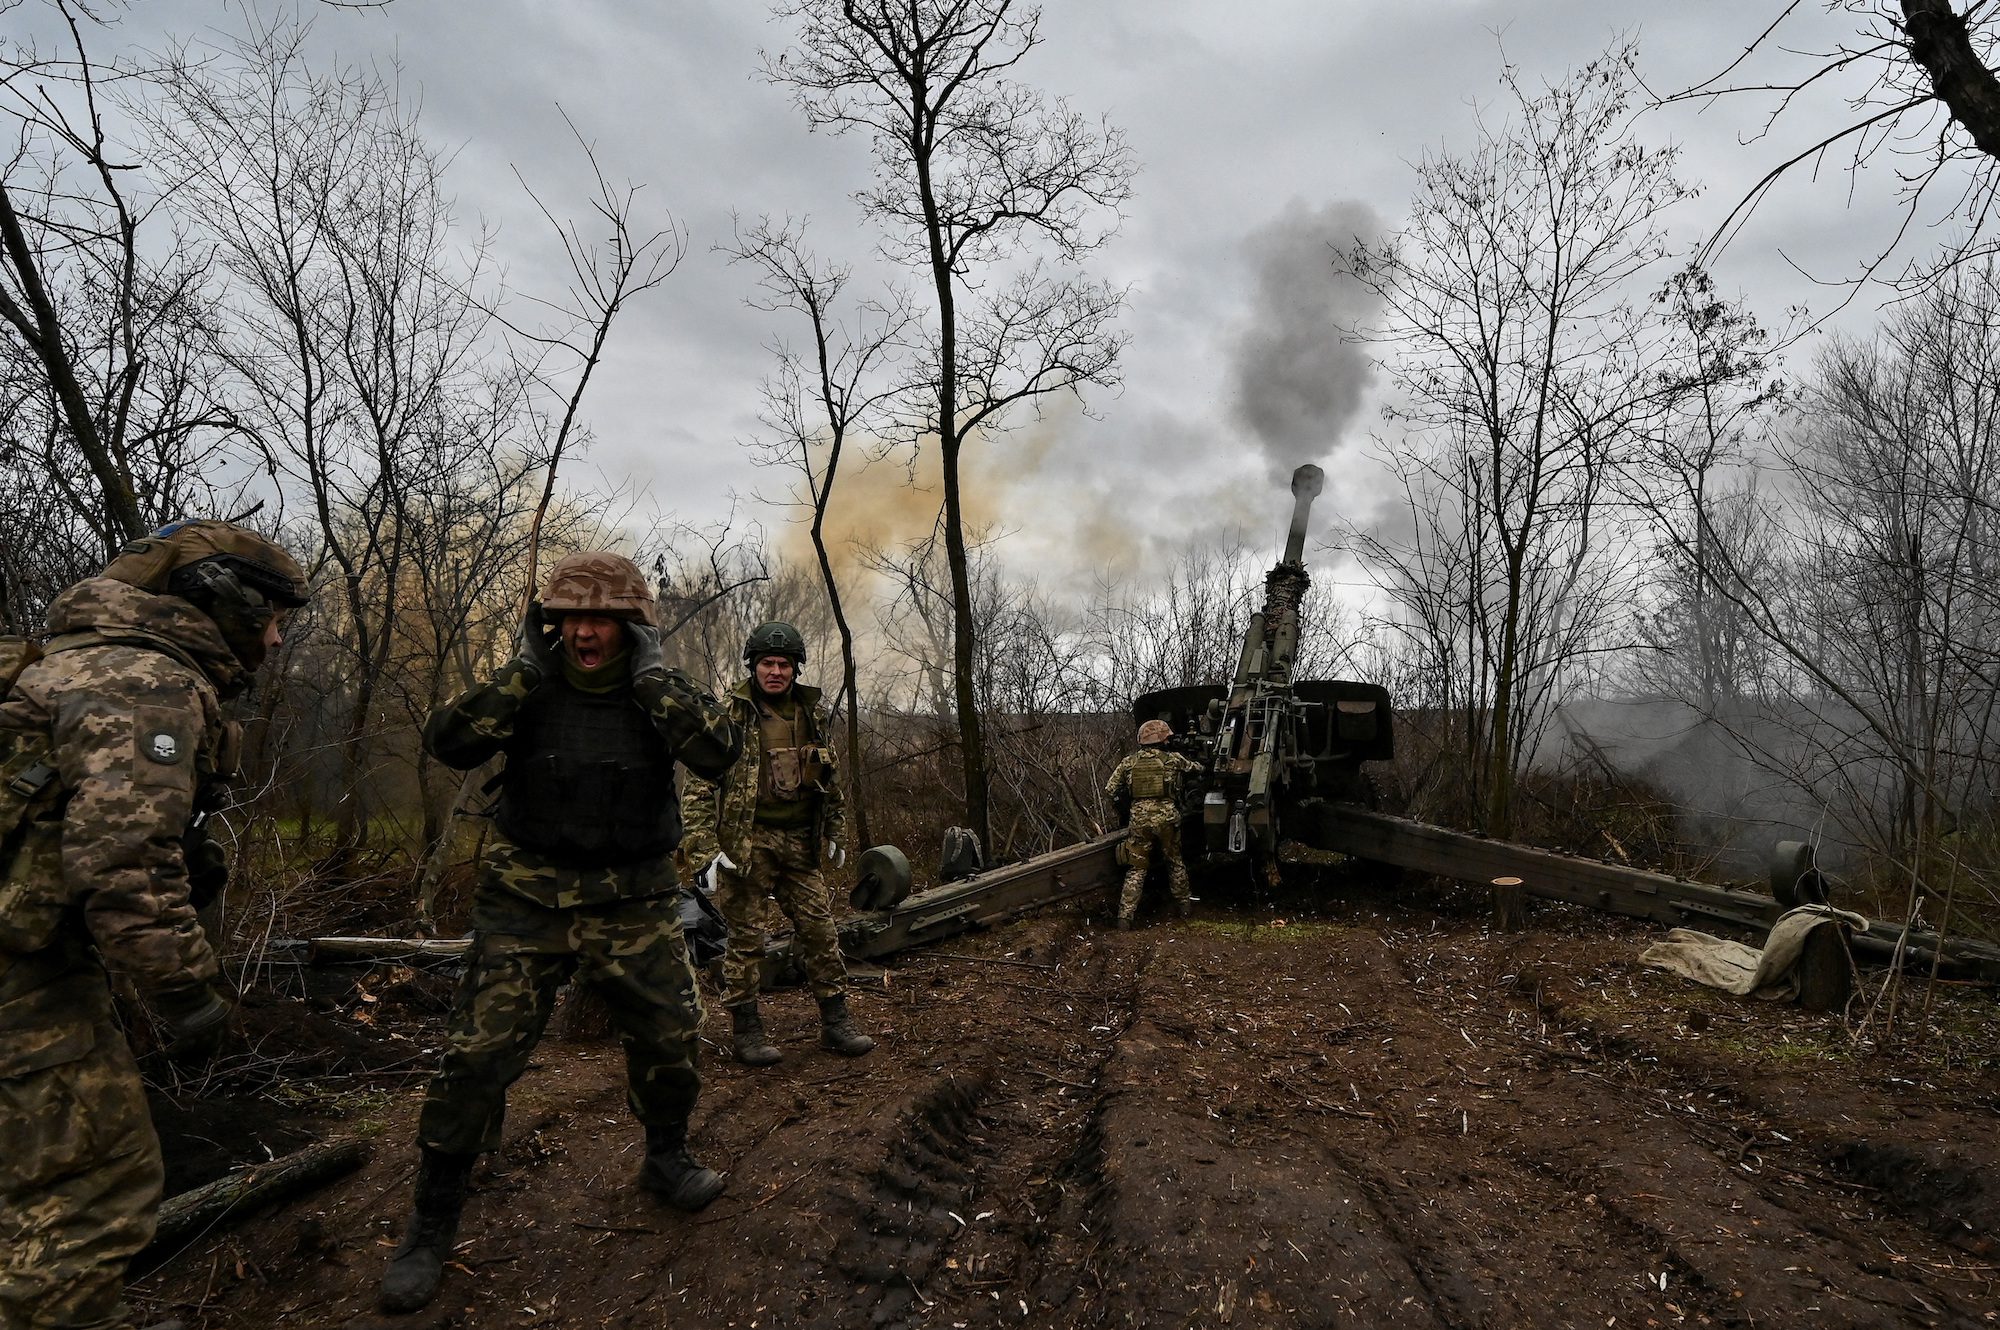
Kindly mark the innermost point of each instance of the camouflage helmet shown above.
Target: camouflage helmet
(600, 583)
(151, 562)
(1155, 732)
(230, 573)
(774, 639)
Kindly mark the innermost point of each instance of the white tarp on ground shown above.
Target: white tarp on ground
(1771, 972)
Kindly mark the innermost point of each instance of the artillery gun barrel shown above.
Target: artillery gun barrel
(1307, 482)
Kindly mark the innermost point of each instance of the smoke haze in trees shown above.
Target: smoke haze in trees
(1296, 380)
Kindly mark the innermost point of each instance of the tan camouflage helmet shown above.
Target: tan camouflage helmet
(150, 562)
(601, 583)
(1155, 732)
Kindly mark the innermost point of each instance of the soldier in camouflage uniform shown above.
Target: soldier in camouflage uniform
(111, 746)
(577, 880)
(764, 828)
(1151, 779)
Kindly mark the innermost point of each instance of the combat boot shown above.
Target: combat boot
(752, 1048)
(417, 1268)
(671, 1173)
(1183, 908)
(836, 1029)
(1124, 923)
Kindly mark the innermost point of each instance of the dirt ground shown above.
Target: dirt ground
(1369, 1112)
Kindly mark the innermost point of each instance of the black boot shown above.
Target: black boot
(1183, 908)
(836, 1029)
(671, 1172)
(752, 1048)
(417, 1268)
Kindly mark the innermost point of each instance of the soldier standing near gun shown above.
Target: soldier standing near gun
(578, 879)
(763, 829)
(112, 746)
(1151, 780)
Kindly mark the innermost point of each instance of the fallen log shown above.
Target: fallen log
(191, 1214)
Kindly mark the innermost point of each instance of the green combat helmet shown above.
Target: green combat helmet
(774, 639)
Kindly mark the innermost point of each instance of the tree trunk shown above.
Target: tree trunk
(971, 741)
(193, 1214)
(1940, 43)
(41, 328)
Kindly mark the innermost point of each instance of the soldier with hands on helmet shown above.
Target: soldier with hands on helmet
(577, 880)
(764, 828)
(112, 746)
(1151, 779)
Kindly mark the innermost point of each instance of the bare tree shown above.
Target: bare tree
(1873, 590)
(110, 411)
(814, 401)
(1917, 78)
(352, 333)
(1522, 360)
(977, 174)
(1715, 364)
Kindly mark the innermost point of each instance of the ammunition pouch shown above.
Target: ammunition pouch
(1122, 854)
(797, 772)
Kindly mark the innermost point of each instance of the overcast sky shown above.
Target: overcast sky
(1263, 129)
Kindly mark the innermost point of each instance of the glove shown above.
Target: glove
(835, 855)
(196, 1018)
(533, 655)
(207, 870)
(644, 641)
(706, 877)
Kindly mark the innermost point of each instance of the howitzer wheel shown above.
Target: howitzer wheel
(884, 881)
(1795, 876)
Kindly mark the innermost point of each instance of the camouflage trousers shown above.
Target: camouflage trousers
(784, 865)
(1154, 833)
(80, 1180)
(631, 952)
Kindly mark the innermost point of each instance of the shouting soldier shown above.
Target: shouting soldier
(764, 828)
(1151, 779)
(578, 879)
(112, 746)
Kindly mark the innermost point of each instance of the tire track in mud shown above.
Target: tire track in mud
(1261, 1195)
(1730, 1198)
(1193, 1125)
(939, 1211)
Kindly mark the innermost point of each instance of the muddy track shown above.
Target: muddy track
(1352, 1123)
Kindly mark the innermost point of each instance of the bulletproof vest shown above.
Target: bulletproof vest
(589, 782)
(1155, 776)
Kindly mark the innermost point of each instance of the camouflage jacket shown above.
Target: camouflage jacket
(1150, 769)
(478, 724)
(128, 704)
(718, 813)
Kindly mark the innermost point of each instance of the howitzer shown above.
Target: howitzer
(1281, 760)
(1274, 749)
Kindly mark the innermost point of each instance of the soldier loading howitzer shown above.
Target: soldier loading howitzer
(1273, 748)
